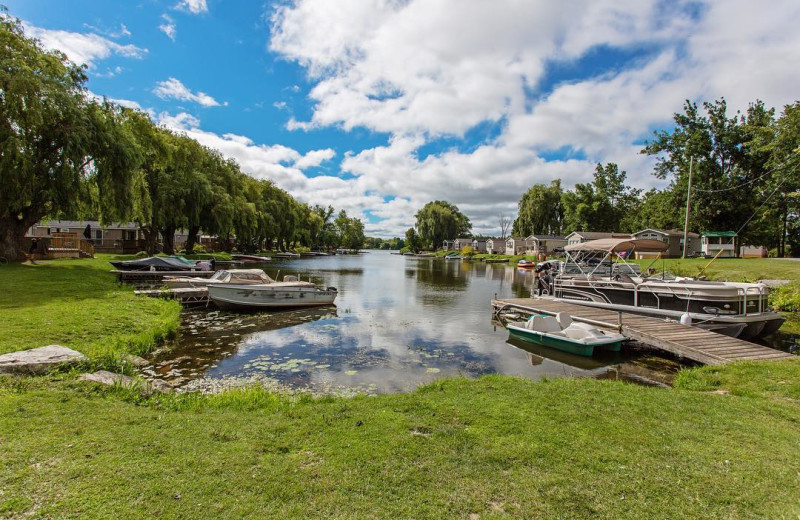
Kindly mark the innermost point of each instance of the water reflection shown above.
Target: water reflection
(398, 322)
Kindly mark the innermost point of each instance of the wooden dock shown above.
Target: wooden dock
(692, 343)
(185, 295)
(155, 276)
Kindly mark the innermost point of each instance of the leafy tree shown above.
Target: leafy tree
(350, 231)
(778, 226)
(57, 146)
(607, 204)
(540, 211)
(438, 221)
(413, 242)
(659, 209)
(725, 167)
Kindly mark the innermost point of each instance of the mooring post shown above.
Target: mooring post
(619, 322)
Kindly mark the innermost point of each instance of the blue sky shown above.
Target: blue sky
(379, 107)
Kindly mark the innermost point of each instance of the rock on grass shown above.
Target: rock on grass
(39, 360)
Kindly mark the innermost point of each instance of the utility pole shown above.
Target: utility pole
(688, 198)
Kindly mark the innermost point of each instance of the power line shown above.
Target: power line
(741, 185)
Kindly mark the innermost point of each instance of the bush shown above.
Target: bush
(785, 298)
(467, 251)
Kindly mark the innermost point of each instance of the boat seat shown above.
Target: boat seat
(564, 319)
(577, 333)
(543, 324)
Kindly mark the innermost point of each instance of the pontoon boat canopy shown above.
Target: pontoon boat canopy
(616, 245)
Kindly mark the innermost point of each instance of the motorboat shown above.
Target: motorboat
(596, 274)
(287, 254)
(562, 333)
(240, 276)
(250, 258)
(289, 293)
(157, 263)
(526, 264)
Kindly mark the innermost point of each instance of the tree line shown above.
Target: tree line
(745, 171)
(65, 154)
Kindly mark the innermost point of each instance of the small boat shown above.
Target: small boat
(239, 276)
(287, 254)
(526, 264)
(250, 258)
(271, 295)
(156, 263)
(561, 333)
(453, 256)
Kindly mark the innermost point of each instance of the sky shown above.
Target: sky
(380, 106)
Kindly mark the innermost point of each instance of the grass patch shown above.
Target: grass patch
(498, 447)
(776, 379)
(732, 269)
(78, 304)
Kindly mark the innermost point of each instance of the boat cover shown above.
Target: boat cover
(159, 263)
(616, 245)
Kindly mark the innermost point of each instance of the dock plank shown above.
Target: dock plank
(689, 342)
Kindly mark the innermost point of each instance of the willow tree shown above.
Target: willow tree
(540, 211)
(438, 221)
(55, 141)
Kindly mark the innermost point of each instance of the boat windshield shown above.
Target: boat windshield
(219, 275)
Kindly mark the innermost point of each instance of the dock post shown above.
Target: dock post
(619, 322)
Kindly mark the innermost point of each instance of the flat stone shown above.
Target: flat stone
(39, 360)
(136, 361)
(105, 377)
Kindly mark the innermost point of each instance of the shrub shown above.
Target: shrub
(785, 298)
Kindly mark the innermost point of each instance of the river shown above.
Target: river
(398, 322)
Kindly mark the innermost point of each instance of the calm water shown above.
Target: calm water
(398, 322)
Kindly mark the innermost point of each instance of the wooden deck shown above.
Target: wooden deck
(688, 342)
(185, 295)
(155, 276)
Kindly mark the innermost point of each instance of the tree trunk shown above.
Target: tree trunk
(192, 239)
(168, 235)
(12, 237)
(149, 239)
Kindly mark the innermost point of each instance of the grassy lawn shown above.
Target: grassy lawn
(732, 269)
(722, 444)
(78, 304)
(497, 447)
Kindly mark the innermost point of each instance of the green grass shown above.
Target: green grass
(78, 304)
(732, 269)
(775, 380)
(498, 447)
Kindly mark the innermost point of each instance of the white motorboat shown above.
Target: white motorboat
(270, 295)
(239, 276)
(596, 274)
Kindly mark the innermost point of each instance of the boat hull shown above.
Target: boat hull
(563, 344)
(745, 327)
(269, 296)
(715, 307)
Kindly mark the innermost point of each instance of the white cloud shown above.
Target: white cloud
(111, 33)
(174, 89)
(168, 27)
(315, 158)
(82, 48)
(192, 6)
(419, 70)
